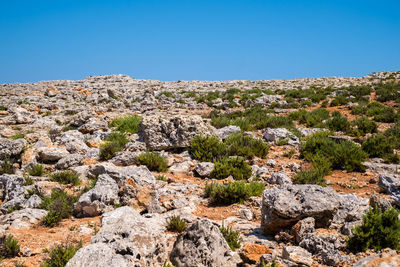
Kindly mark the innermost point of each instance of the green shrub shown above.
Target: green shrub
(60, 255)
(128, 124)
(6, 167)
(9, 247)
(232, 192)
(176, 224)
(379, 230)
(313, 176)
(28, 181)
(393, 135)
(66, 177)
(161, 178)
(36, 170)
(314, 118)
(207, 148)
(377, 146)
(231, 236)
(154, 161)
(338, 123)
(387, 91)
(59, 206)
(341, 155)
(115, 142)
(246, 146)
(364, 125)
(339, 100)
(237, 167)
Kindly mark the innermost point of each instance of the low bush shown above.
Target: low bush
(246, 146)
(232, 192)
(339, 155)
(231, 236)
(60, 255)
(393, 135)
(379, 230)
(36, 170)
(313, 118)
(6, 167)
(237, 167)
(339, 100)
(66, 177)
(387, 91)
(207, 148)
(9, 247)
(176, 224)
(128, 124)
(59, 206)
(364, 125)
(154, 161)
(115, 142)
(338, 123)
(377, 146)
(313, 176)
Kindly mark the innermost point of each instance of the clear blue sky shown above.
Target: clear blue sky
(197, 40)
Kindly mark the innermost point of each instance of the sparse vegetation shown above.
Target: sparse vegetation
(231, 236)
(66, 177)
(6, 167)
(60, 255)
(59, 206)
(114, 143)
(9, 246)
(36, 170)
(207, 148)
(176, 224)
(128, 124)
(236, 167)
(380, 229)
(246, 146)
(153, 160)
(232, 192)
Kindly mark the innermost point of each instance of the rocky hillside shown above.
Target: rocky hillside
(115, 171)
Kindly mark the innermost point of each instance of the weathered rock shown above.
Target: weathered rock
(51, 154)
(93, 125)
(350, 212)
(381, 203)
(226, 131)
(69, 161)
(124, 159)
(125, 239)
(298, 255)
(12, 190)
(204, 169)
(184, 167)
(99, 199)
(303, 227)
(283, 207)
(11, 148)
(325, 245)
(279, 178)
(309, 131)
(74, 142)
(279, 134)
(385, 258)
(203, 245)
(33, 202)
(169, 133)
(21, 218)
(391, 184)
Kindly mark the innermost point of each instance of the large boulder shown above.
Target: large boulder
(12, 191)
(204, 169)
(391, 184)
(172, 132)
(102, 197)
(11, 148)
(203, 245)
(385, 258)
(283, 207)
(280, 134)
(69, 161)
(125, 239)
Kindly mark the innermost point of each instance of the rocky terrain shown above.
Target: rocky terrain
(116, 171)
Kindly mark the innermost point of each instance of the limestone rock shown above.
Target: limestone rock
(204, 169)
(170, 133)
(203, 245)
(279, 134)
